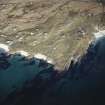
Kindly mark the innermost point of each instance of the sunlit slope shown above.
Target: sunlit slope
(58, 29)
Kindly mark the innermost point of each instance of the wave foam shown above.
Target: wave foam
(4, 48)
(24, 53)
(99, 34)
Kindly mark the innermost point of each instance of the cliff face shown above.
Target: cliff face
(55, 28)
(30, 81)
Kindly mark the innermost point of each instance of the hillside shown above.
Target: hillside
(58, 29)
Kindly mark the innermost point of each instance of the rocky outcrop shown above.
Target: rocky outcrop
(52, 27)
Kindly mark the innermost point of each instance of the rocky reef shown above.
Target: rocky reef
(28, 80)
